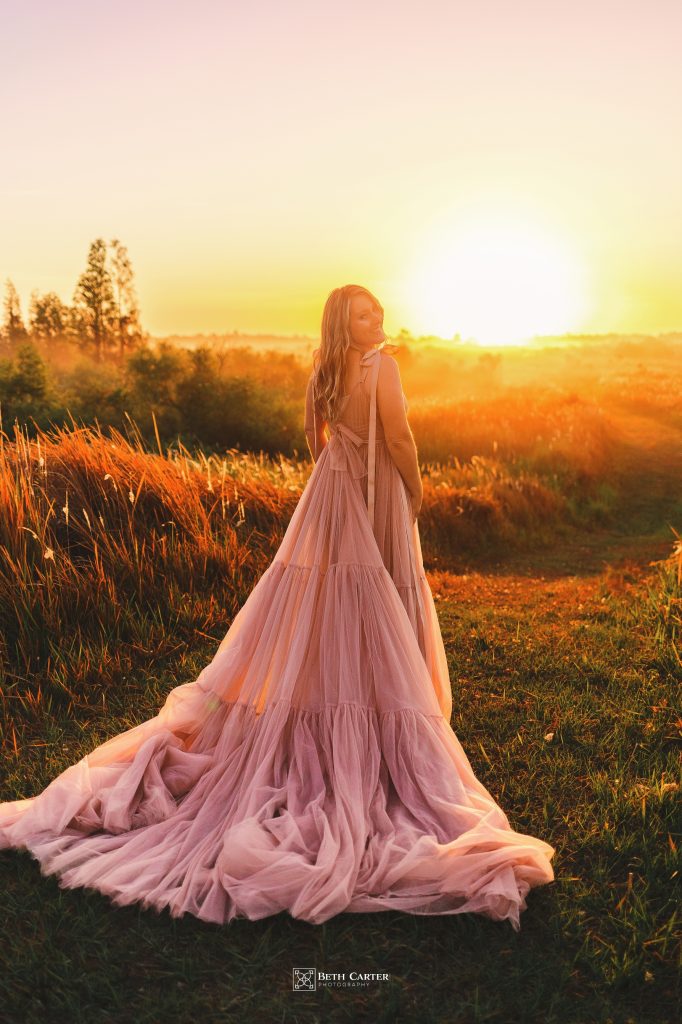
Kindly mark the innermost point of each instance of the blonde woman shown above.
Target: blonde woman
(311, 767)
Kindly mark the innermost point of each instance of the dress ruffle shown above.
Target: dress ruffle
(315, 812)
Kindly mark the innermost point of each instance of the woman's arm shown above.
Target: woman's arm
(313, 425)
(399, 438)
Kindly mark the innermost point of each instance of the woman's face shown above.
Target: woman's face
(366, 322)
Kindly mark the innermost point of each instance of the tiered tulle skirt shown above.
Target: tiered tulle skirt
(311, 767)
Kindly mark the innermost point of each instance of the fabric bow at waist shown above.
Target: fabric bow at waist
(343, 450)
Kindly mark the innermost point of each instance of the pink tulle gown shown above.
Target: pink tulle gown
(311, 767)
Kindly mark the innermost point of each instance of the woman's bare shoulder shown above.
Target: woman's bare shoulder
(388, 367)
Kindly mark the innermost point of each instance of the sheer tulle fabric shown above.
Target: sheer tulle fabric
(311, 767)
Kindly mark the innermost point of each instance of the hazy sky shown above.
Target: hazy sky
(483, 167)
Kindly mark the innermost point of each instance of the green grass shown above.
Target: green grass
(595, 945)
(553, 638)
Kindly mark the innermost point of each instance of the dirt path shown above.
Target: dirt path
(555, 594)
(649, 470)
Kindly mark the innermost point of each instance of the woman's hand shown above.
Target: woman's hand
(416, 504)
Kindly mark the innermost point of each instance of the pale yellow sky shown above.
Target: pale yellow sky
(489, 169)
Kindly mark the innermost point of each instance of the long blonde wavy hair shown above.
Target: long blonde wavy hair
(329, 360)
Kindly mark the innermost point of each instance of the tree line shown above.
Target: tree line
(103, 319)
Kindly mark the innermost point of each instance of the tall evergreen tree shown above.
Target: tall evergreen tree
(13, 329)
(48, 315)
(127, 312)
(94, 301)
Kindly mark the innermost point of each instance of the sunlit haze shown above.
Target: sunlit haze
(492, 171)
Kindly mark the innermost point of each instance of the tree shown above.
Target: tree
(127, 312)
(48, 315)
(94, 303)
(13, 329)
(28, 382)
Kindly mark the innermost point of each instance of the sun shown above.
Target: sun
(497, 283)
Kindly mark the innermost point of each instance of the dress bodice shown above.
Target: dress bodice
(355, 431)
(355, 408)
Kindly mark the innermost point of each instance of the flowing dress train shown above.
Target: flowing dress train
(311, 767)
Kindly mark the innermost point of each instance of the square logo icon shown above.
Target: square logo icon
(305, 979)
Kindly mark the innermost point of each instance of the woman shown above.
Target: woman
(311, 767)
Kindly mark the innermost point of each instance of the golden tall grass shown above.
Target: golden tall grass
(546, 432)
(112, 556)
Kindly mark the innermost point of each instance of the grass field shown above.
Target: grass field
(560, 602)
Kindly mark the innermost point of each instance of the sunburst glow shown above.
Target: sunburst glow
(498, 283)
